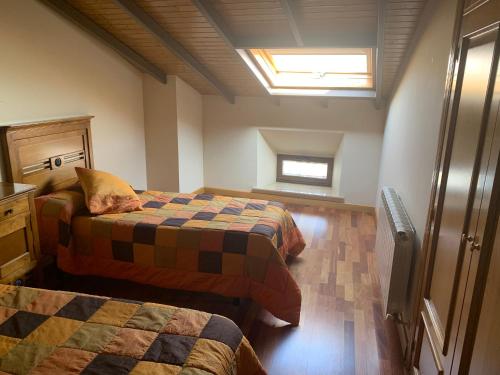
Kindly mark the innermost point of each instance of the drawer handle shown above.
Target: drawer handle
(8, 212)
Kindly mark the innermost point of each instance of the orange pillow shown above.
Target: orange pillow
(107, 194)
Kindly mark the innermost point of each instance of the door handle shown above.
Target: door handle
(474, 239)
(467, 238)
(475, 246)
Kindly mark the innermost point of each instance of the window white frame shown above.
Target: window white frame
(363, 91)
(280, 177)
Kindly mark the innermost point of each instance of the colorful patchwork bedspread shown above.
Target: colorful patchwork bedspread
(231, 246)
(49, 332)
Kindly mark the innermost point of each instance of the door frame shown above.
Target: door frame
(433, 213)
(487, 242)
(464, 26)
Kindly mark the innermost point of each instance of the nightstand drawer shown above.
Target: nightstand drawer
(13, 245)
(19, 246)
(22, 261)
(12, 225)
(13, 208)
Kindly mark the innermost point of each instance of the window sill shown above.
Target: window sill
(300, 191)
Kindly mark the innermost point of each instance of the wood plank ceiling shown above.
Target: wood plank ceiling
(400, 22)
(257, 23)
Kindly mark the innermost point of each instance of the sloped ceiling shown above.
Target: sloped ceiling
(253, 23)
(303, 142)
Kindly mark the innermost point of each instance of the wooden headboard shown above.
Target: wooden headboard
(45, 153)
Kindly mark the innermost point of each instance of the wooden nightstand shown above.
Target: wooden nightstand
(19, 246)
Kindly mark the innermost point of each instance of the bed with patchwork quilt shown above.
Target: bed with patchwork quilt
(51, 332)
(235, 247)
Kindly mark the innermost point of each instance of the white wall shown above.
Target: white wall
(303, 142)
(190, 137)
(413, 122)
(360, 167)
(337, 169)
(414, 115)
(230, 152)
(174, 135)
(51, 69)
(230, 140)
(160, 120)
(266, 162)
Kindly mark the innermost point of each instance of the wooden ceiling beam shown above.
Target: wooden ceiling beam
(379, 61)
(347, 40)
(214, 19)
(423, 19)
(173, 45)
(291, 15)
(63, 8)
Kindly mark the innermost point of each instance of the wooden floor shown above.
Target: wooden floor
(342, 330)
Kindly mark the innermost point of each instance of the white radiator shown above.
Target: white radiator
(394, 251)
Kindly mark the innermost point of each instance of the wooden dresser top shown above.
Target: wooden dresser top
(8, 189)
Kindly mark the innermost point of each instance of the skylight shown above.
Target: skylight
(304, 71)
(295, 63)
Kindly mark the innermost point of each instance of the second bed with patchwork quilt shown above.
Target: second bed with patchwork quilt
(230, 246)
(49, 332)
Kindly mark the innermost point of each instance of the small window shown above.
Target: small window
(308, 170)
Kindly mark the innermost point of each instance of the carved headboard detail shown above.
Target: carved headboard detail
(45, 153)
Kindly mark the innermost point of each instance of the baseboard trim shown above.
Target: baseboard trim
(293, 194)
(199, 190)
(285, 199)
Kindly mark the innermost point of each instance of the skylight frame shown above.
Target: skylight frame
(270, 52)
(362, 90)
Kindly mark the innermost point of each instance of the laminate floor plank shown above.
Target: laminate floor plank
(342, 330)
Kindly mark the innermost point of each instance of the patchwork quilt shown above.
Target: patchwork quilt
(49, 332)
(231, 246)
